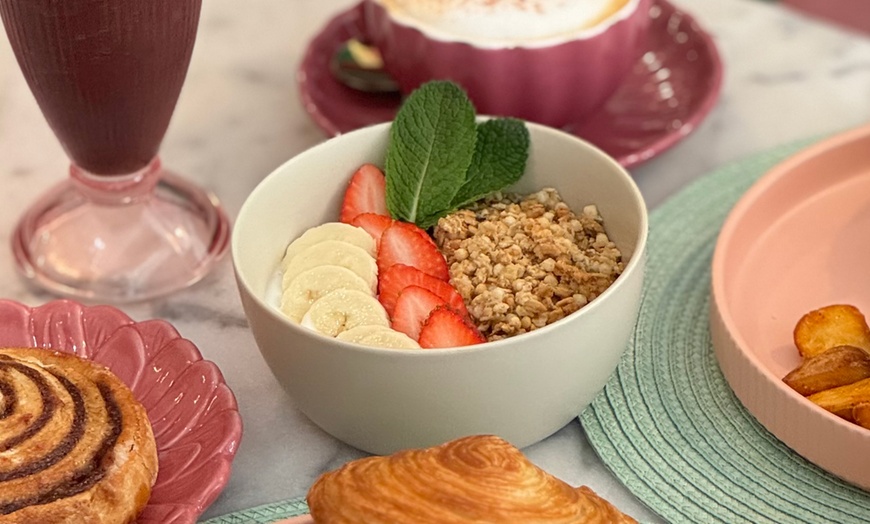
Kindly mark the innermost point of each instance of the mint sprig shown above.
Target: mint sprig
(439, 158)
(431, 145)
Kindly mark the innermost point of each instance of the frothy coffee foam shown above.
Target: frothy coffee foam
(503, 22)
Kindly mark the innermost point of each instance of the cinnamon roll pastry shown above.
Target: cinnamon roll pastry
(478, 479)
(75, 445)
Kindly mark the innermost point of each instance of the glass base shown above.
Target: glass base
(116, 239)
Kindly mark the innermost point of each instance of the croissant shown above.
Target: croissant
(75, 445)
(478, 479)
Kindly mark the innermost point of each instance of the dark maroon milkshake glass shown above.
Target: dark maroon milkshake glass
(106, 75)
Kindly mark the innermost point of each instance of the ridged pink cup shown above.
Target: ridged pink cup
(552, 81)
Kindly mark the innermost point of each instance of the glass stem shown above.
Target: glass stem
(117, 190)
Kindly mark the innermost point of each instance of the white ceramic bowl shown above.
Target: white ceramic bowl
(522, 388)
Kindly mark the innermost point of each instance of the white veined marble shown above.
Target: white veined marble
(239, 116)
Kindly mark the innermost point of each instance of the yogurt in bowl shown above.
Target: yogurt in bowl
(522, 387)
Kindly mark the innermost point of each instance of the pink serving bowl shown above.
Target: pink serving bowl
(798, 240)
(552, 84)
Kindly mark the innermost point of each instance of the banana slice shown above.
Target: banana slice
(330, 231)
(344, 309)
(334, 253)
(313, 284)
(379, 337)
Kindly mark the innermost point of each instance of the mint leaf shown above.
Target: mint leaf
(499, 159)
(431, 146)
(438, 159)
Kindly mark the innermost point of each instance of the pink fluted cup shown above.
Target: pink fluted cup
(553, 82)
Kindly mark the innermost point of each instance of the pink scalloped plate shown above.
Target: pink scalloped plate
(193, 413)
(798, 240)
(669, 92)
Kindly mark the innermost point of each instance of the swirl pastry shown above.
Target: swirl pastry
(479, 479)
(75, 445)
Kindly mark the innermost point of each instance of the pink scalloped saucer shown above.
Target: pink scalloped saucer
(193, 413)
(668, 94)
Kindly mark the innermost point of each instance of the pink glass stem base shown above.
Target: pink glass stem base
(116, 239)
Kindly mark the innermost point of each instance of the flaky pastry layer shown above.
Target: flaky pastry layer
(478, 479)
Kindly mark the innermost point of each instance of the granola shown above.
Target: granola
(522, 262)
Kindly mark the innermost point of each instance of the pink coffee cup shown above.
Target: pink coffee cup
(552, 79)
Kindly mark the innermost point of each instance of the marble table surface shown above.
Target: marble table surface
(787, 77)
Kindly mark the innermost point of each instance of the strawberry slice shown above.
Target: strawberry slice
(404, 243)
(366, 193)
(373, 223)
(413, 308)
(399, 276)
(446, 329)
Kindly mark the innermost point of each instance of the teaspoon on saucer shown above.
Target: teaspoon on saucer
(359, 66)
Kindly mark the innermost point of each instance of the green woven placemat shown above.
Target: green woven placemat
(667, 424)
(265, 514)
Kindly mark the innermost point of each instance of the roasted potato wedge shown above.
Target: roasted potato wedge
(841, 401)
(861, 414)
(831, 326)
(832, 368)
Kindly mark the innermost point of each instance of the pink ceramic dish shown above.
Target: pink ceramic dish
(193, 413)
(798, 240)
(550, 84)
(667, 94)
